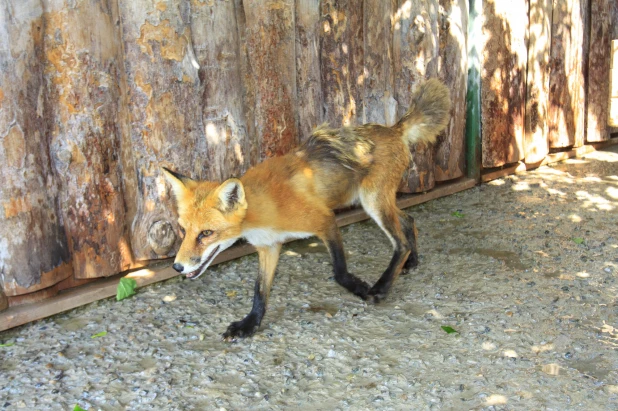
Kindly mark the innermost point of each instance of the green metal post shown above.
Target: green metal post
(473, 97)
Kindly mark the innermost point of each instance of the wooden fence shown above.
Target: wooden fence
(96, 96)
(544, 85)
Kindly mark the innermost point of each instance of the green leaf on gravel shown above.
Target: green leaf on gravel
(448, 330)
(97, 335)
(78, 408)
(126, 288)
(457, 214)
(578, 240)
(7, 345)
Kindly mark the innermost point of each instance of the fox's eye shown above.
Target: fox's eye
(204, 234)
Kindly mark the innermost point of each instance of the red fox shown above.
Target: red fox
(293, 196)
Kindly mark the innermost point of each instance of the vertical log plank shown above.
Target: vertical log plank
(248, 84)
(341, 51)
(567, 82)
(379, 105)
(162, 85)
(4, 301)
(271, 40)
(503, 81)
(33, 247)
(599, 70)
(215, 39)
(416, 55)
(453, 33)
(613, 85)
(82, 68)
(536, 145)
(613, 103)
(309, 84)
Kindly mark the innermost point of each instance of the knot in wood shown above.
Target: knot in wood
(161, 237)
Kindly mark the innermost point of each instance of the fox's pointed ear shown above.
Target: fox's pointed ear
(180, 184)
(231, 195)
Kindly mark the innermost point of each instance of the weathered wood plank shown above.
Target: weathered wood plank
(614, 30)
(163, 89)
(215, 39)
(341, 51)
(453, 28)
(599, 61)
(271, 40)
(248, 84)
(503, 81)
(379, 105)
(4, 301)
(82, 68)
(567, 93)
(613, 88)
(536, 145)
(416, 55)
(309, 83)
(33, 247)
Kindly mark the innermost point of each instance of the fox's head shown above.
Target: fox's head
(210, 216)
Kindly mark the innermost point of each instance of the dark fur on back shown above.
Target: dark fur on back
(341, 146)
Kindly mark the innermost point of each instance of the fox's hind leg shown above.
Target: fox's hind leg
(331, 237)
(409, 229)
(399, 230)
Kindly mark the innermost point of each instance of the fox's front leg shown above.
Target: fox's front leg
(268, 256)
(332, 238)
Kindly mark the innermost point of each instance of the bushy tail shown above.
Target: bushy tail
(428, 115)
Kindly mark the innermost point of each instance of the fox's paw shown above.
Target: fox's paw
(241, 329)
(376, 295)
(356, 286)
(410, 264)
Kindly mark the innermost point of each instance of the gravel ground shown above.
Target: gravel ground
(523, 268)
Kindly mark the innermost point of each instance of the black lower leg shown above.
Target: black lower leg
(409, 230)
(399, 229)
(249, 325)
(352, 283)
(383, 285)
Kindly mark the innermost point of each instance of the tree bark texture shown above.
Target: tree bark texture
(271, 42)
(379, 105)
(613, 102)
(216, 45)
(342, 71)
(34, 252)
(567, 82)
(599, 60)
(613, 88)
(416, 57)
(453, 26)
(536, 145)
(308, 75)
(503, 81)
(82, 65)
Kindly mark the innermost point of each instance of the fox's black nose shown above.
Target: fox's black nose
(178, 267)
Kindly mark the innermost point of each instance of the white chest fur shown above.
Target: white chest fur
(268, 236)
